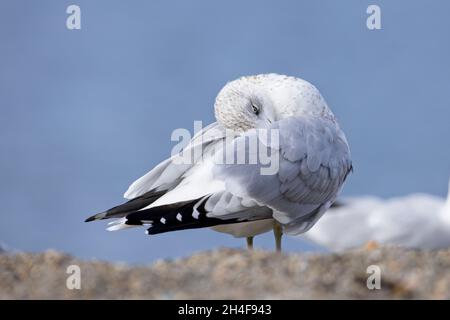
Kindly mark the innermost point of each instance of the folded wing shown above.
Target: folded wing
(311, 158)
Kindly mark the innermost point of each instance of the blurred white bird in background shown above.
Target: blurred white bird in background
(414, 221)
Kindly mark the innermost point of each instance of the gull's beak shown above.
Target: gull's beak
(264, 123)
(266, 119)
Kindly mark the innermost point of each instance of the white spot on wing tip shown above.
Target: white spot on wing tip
(163, 221)
(195, 214)
(179, 217)
(117, 221)
(118, 224)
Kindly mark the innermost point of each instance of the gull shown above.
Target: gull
(310, 160)
(420, 221)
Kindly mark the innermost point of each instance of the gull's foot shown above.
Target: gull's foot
(250, 243)
(278, 233)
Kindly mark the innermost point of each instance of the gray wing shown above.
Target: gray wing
(165, 176)
(313, 161)
(168, 174)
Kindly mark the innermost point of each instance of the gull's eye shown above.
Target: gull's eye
(255, 109)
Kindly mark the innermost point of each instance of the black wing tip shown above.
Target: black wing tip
(128, 207)
(97, 216)
(90, 219)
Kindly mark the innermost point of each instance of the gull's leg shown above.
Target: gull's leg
(278, 233)
(250, 243)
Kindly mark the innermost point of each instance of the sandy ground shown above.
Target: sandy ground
(233, 274)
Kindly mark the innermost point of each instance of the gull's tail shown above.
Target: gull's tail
(177, 216)
(189, 214)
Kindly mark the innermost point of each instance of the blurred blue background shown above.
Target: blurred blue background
(85, 112)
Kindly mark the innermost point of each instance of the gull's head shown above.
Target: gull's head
(244, 104)
(257, 101)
